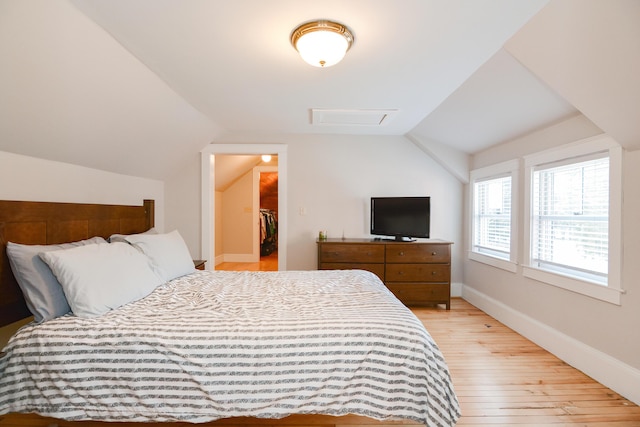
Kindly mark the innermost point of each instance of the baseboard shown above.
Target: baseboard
(607, 370)
(456, 289)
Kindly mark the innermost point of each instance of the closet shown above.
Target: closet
(268, 232)
(268, 213)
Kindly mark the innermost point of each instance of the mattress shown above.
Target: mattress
(216, 344)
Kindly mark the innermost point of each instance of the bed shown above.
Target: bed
(208, 346)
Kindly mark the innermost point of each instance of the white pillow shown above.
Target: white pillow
(122, 237)
(168, 253)
(98, 278)
(42, 292)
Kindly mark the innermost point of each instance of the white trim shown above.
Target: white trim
(208, 201)
(503, 264)
(218, 260)
(255, 212)
(607, 370)
(574, 149)
(612, 291)
(615, 221)
(207, 184)
(492, 171)
(456, 289)
(583, 287)
(257, 171)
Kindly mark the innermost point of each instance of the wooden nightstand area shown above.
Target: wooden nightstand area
(199, 264)
(418, 273)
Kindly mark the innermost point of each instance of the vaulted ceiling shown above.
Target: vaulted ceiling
(114, 84)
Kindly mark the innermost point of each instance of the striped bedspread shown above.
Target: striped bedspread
(223, 344)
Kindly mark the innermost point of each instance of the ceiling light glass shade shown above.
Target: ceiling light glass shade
(266, 158)
(322, 43)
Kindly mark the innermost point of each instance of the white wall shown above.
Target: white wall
(237, 217)
(332, 177)
(33, 179)
(608, 332)
(71, 93)
(182, 207)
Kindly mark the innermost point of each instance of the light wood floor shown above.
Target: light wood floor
(267, 263)
(500, 378)
(503, 379)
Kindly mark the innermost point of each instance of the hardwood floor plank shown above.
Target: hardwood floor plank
(266, 263)
(503, 379)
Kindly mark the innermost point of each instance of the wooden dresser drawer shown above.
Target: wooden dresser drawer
(411, 252)
(417, 272)
(421, 293)
(377, 269)
(351, 253)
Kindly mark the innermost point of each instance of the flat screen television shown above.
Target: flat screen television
(404, 218)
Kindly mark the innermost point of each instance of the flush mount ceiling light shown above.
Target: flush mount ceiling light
(322, 43)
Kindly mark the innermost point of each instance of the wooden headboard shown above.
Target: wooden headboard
(46, 223)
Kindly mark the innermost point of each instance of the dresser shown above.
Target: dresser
(418, 273)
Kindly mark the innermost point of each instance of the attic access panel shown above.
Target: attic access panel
(346, 117)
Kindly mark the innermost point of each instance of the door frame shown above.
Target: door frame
(257, 171)
(208, 198)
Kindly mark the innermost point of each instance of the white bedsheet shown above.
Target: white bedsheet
(221, 344)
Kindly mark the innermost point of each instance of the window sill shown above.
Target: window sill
(600, 292)
(494, 262)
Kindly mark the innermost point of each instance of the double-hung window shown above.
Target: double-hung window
(493, 191)
(573, 205)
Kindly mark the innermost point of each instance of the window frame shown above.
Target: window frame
(613, 289)
(509, 168)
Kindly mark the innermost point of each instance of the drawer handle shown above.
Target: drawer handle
(433, 273)
(400, 273)
(434, 253)
(401, 254)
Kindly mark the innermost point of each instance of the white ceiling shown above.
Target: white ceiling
(230, 167)
(111, 84)
(232, 60)
(488, 108)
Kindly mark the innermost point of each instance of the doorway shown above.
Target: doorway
(246, 216)
(208, 195)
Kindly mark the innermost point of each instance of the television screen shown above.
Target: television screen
(400, 217)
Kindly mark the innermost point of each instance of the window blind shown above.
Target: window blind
(492, 217)
(570, 217)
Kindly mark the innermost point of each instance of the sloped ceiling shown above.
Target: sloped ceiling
(500, 101)
(114, 84)
(233, 61)
(230, 167)
(69, 93)
(588, 51)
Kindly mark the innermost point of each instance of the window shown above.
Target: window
(574, 217)
(493, 219)
(570, 217)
